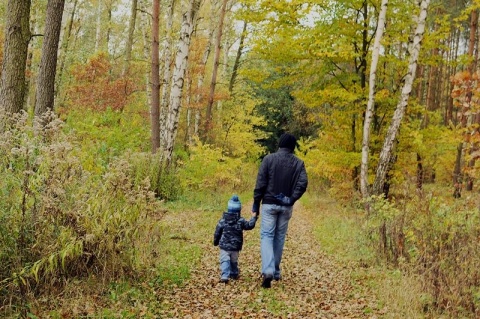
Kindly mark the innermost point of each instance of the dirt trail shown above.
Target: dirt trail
(313, 285)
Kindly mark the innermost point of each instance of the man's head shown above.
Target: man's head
(287, 141)
(234, 205)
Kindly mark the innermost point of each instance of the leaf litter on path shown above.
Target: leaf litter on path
(313, 284)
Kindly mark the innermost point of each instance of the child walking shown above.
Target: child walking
(229, 237)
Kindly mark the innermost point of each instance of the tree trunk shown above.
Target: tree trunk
(414, 50)
(48, 63)
(216, 62)
(420, 172)
(98, 25)
(236, 64)
(64, 48)
(167, 74)
(109, 25)
(201, 77)
(371, 99)
(155, 110)
(17, 36)
(472, 117)
(131, 31)
(181, 63)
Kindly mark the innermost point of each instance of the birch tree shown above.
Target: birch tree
(155, 108)
(181, 62)
(371, 99)
(414, 50)
(167, 74)
(48, 64)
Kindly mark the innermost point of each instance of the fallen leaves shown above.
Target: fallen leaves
(313, 285)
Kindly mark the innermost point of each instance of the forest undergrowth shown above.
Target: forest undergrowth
(322, 275)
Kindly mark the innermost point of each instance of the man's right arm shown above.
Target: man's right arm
(260, 185)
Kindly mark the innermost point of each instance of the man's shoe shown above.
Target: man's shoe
(234, 277)
(277, 278)
(267, 281)
(224, 280)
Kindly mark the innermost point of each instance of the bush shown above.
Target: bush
(162, 179)
(58, 221)
(438, 242)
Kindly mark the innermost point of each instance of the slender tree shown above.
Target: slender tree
(167, 74)
(181, 62)
(371, 99)
(155, 108)
(203, 63)
(98, 25)
(48, 64)
(64, 47)
(17, 37)
(131, 31)
(414, 51)
(216, 62)
(236, 64)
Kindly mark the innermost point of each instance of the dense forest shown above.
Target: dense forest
(115, 114)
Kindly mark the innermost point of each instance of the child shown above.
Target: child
(229, 236)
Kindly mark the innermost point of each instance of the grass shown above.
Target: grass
(338, 228)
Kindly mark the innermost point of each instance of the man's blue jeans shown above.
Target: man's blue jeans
(228, 264)
(273, 230)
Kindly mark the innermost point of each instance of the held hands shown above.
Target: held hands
(284, 200)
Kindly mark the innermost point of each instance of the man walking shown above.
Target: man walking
(281, 181)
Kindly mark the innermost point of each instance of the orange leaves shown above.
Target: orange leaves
(95, 87)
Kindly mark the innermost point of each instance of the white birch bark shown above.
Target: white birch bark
(371, 100)
(167, 74)
(178, 78)
(414, 50)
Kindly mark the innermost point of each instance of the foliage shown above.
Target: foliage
(162, 180)
(438, 242)
(59, 221)
(237, 133)
(281, 111)
(327, 164)
(208, 169)
(95, 87)
(103, 135)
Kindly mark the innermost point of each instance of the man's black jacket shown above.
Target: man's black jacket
(280, 173)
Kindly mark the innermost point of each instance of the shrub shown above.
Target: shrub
(58, 220)
(435, 240)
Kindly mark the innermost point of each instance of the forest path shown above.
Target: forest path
(313, 285)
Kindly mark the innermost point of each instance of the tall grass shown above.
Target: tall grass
(60, 221)
(435, 240)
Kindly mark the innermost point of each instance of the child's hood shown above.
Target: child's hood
(231, 217)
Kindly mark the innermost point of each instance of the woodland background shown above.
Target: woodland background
(115, 113)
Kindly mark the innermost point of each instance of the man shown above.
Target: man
(281, 181)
